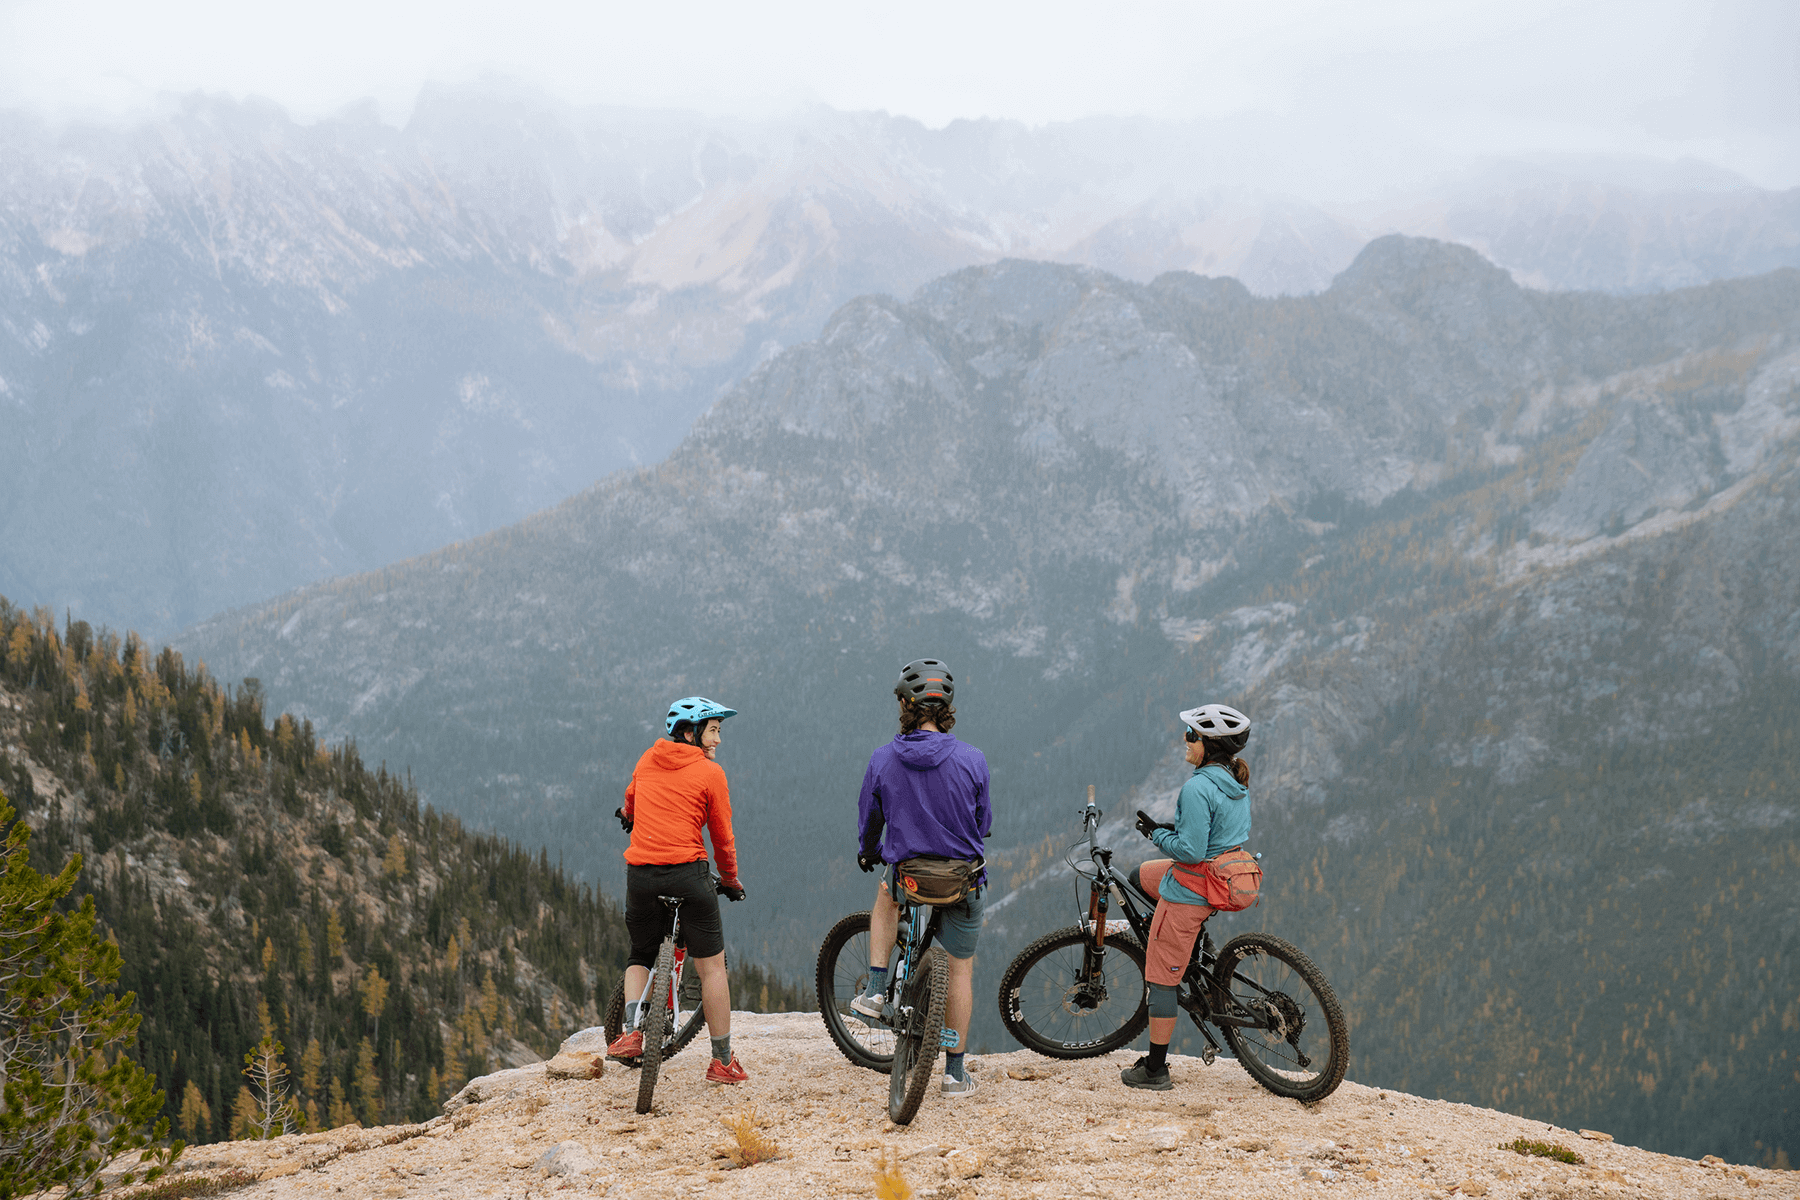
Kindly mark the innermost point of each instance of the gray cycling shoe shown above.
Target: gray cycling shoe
(1139, 1075)
(869, 1006)
(952, 1086)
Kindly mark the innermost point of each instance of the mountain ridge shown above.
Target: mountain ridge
(349, 343)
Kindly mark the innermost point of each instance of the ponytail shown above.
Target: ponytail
(1216, 752)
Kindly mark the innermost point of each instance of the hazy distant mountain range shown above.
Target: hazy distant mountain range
(1505, 577)
(239, 354)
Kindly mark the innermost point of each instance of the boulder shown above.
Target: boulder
(591, 1040)
(579, 1064)
(487, 1087)
(566, 1158)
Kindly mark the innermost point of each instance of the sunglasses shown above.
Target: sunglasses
(1192, 737)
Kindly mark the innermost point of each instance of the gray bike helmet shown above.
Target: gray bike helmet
(926, 679)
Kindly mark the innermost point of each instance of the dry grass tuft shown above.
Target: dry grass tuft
(889, 1183)
(752, 1146)
(1543, 1150)
(181, 1187)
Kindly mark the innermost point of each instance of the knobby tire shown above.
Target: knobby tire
(655, 1024)
(916, 1041)
(692, 1018)
(842, 975)
(1267, 976)
(1048, 1009)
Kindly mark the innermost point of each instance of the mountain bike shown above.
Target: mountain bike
(666, 1027)
(1080, 992)
(904, 1041)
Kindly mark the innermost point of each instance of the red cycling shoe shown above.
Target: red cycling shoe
(628, 1047)
(718, 1072)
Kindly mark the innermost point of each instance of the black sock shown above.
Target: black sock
(1158, 1059)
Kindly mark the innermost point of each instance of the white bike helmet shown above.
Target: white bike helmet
(1219, 723)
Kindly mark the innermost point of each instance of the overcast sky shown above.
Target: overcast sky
(1666, 78)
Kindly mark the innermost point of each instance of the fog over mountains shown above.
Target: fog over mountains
(1505, 577)
(239, 354)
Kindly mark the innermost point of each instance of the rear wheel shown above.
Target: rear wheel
(655, 1024)
(692, 1019)
(1061, 999)
(919, 1022)
(1296, 1042)
(843, 975)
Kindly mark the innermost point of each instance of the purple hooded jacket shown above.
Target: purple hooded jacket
(929, 793)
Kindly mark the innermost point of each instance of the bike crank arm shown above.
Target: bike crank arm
(1199, 1014)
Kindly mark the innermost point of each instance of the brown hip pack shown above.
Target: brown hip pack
(1229, 882)
(929, 879)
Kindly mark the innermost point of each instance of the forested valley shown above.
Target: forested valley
(257, 880)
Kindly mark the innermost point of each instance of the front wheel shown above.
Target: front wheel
(1281, 1017)
(1062, 999)
(919, 1031)
(655, 1024)
(842, 976)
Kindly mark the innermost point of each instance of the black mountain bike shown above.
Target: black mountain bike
(904, 1041)
(1080, 992)
(667, 1027)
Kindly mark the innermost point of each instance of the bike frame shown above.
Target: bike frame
(913, 935)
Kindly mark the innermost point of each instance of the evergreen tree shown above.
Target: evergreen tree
(74, 1101)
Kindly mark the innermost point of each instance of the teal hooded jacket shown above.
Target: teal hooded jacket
(1212, 815)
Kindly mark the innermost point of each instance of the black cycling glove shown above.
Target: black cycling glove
(731, 891)
(625, 822)
(1145, 824)
(868, 862)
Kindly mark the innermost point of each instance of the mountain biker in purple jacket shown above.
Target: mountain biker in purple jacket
(926, 793)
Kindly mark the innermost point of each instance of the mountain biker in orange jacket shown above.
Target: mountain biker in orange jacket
(676, 790)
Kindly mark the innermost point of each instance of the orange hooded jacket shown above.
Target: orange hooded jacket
(675, 791)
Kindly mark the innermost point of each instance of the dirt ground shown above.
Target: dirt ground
(1036, 1128)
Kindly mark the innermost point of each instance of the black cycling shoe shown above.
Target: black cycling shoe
(1139, 1075)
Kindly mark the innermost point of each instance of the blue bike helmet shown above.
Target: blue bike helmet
(695, 710)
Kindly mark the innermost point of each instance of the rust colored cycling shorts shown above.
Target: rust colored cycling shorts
(1173, 930)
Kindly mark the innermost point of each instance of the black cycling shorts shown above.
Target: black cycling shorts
(646, 917)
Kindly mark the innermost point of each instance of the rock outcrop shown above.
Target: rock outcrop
(1064, 1130)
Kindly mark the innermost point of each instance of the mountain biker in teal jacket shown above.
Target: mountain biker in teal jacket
(1212, 817)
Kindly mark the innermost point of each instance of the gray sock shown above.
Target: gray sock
(722, 1049)
(631, 1012)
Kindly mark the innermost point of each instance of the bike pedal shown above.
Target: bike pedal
(1209, 1056)
(949, 1039)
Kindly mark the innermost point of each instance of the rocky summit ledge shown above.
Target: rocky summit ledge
(1036, 1128)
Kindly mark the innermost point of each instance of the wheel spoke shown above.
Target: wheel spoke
(1297, 1044)
(1058, 1001)
(842, 975)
